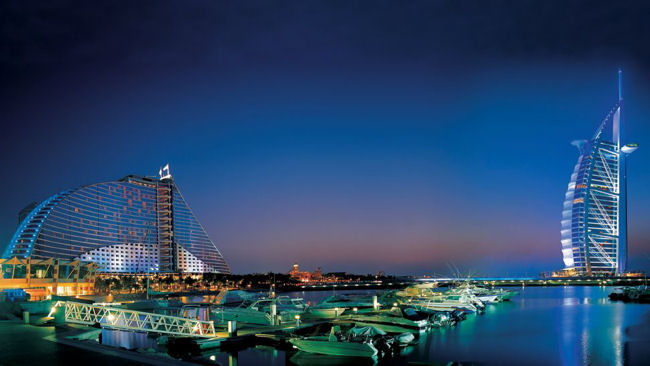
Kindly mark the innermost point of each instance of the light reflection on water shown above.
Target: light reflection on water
(542, 325)
(127, 340)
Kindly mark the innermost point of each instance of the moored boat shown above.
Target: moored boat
(324, 313)
(324, 346)
(337, 344)
(393, 320)
(446, 302)
(346, 302)
(357, 341)
(488, 296)
(422, 297)
(632, 294)
(261, 311)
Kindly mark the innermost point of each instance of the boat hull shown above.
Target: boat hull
(325, 312)
(348, 349)
(387, 323)
(489, 299)
(388, 328)
(433, 306)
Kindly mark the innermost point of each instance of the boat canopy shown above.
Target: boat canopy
(367, 331)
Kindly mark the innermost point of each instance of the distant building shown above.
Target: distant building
(317, 275)
(594, 217)
(134, 224)
(296, 274)
(306, 276)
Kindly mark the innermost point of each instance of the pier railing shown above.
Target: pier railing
(131, 320)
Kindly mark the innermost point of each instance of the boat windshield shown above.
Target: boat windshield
(263, 305)
(298, 302)
(246, 303)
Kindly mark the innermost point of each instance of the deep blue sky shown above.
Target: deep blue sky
(408, 137)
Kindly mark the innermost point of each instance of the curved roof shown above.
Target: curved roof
(69, 224)
(22, 242)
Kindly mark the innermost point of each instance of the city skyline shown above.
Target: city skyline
(357, 146)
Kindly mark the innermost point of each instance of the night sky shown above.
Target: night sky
(409, 137)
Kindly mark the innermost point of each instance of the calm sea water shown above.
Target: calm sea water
(541, 326)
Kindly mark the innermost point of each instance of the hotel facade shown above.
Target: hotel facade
(594, 215)
(132, 225)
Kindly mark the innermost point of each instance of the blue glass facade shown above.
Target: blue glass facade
(591, 224)
(124, 226)
(594, 216)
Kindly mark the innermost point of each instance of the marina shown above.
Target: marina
(576, 311)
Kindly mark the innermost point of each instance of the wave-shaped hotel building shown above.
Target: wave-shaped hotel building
(594, 217)
(132, 225)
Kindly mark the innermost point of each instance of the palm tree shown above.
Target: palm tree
(189, 281)
(101, 285)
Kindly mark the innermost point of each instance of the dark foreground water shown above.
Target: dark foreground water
(541, 326)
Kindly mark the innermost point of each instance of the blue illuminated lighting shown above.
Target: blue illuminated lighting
(128, 225)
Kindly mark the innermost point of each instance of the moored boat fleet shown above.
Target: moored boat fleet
(363, 325)
(631, 294)
(368, 325)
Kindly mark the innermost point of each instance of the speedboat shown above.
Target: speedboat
(335, 305)
(326, 346)
(356, 342)
(343, 302)
(447, 303)
(259, 311)
(488, 296)
(422, 297)
(505, 295)
(482, 294)
(418, 290)
(632, 293)
(394, 320)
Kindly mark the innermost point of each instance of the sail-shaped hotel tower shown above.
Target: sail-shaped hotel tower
(594, 216)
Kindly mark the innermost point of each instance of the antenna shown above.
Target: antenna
(616, 118)
(620, 84)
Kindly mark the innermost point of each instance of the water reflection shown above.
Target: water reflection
(617, 335)
(233, 359)
(593, 332)
(128, 340)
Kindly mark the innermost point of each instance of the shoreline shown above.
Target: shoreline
(443, 283)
